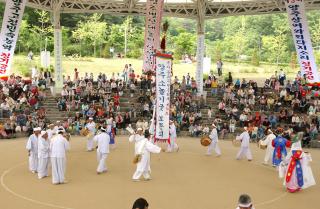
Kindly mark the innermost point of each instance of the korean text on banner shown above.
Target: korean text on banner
(301, 36)
(9, 33)
(152, 33)
(163, 79)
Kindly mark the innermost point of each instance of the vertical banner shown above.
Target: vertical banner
(301, 36)
(58, 57)
(163, 82)
(152, 33)
(9, 34)
(200, 56)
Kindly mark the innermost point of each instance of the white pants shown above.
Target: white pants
(43, 167)
(101, 157)
(143, 168)
(214, 145)
(58, 169)
(172, 146)
(90, 144)
(244, 151)
(33, 162)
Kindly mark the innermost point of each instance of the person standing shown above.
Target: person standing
(279, 143)
(43, 154)
(268, 142)
(219, 67)
(50, 131)
(102, 140)
(143, 147)
(282, 77)
(245, 145)
(214, 142)
(172, 145)
(91, 126)
(58, 147)
(32, 147)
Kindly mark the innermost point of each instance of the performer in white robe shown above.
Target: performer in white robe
(102, 140)
(56, 127)
(269, 151)
(43, 155)
(58, 147)
(172, 146)
(214, 142)
(51, 131)
(32, 147)
(143, 147)
(91, 126)
(296, 170)
(245, 145)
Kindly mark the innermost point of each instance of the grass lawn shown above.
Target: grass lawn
(109, 66)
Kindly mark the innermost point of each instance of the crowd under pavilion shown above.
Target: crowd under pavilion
(200, 10)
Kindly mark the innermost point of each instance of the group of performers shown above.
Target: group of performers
(51, 145)
(293, 166)
(45, 146)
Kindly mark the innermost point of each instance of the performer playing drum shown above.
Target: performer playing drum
(214, 143)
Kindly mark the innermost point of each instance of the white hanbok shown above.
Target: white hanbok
(92, 128)
(245, 146)
(102, 140)
(173, 146)
(43, 155)
(269, 151)
(143, 147)
(50, 132)
(58, 147)
(32, 147)
(214, 143)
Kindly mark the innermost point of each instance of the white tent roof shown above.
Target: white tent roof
(173, 8)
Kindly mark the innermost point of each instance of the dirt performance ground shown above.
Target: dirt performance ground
(184, 180)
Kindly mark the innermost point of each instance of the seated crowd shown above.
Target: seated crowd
(20, 106)
(239, 103)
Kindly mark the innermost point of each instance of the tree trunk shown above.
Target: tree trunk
(94, 49)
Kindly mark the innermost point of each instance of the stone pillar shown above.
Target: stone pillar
(200, 56)
(57, 52)
(200, 45)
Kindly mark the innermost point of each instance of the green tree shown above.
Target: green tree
(44, 30)
(91, 32)
(184, 43)
(255, 58)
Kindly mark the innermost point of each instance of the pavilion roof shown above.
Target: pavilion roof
(173, 8)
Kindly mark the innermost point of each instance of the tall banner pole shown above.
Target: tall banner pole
(299, 27)
(152, 33)
(9, 34)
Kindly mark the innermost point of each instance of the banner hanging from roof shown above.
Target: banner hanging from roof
(9, 34)
(163, 81)
(152, 33)
(301, 36)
